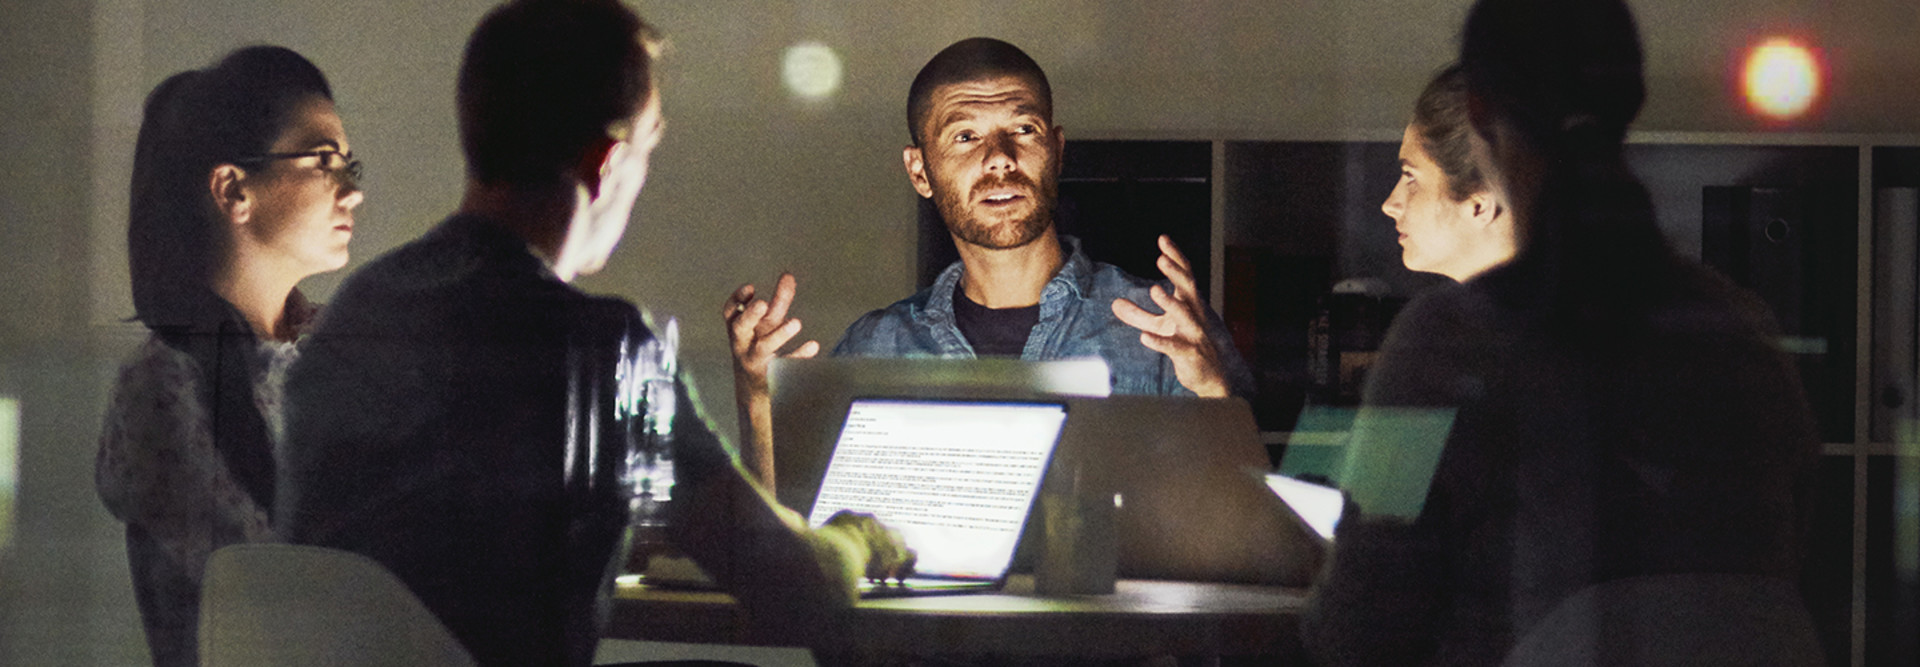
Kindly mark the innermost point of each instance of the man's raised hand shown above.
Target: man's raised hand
(1180, 331)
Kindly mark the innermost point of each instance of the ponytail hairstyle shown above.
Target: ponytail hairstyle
(193, 122)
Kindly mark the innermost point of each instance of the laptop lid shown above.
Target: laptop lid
(1187, 507)
(956, 478)
(811, 396)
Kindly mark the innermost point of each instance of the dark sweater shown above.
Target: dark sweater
(1676, 441)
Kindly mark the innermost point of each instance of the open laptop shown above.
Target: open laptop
(956, 478)
(811, 396)
(1190, 502)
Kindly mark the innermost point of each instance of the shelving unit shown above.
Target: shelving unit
(1281, 211)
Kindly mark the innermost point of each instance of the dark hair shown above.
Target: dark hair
(543, 80)
(194, 121)
(1565, 78)
(971, 60)
(1561, 71)
(1440, 120)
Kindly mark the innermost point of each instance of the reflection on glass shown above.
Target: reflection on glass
(1782, 79)
(646, 408)
(9, 465)
(1395, 451)
(811, 71)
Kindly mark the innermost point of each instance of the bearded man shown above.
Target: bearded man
(986, 151)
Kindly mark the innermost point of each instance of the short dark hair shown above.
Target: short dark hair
(971, 60)
(192, 122)
(1440, 121)
(1559, 70)
(543, 80)
(1565, 78)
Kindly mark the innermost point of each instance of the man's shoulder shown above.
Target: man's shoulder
(878, 331)
(1108, 281)
(453, 267)
(898, 312)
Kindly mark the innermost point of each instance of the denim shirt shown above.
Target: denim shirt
(1076, 321)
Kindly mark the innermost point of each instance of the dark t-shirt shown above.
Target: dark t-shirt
(993, 331)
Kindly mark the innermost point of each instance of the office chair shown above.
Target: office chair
(284, 604)
(1675, 619)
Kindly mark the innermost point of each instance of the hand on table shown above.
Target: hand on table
(1180, 332)
(888, 557)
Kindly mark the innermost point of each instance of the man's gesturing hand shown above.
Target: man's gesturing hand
(1180, 332)
(757, 330)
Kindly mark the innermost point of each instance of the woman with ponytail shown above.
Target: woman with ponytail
(1616, 413)
(243, 184)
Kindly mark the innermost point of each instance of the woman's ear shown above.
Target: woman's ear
(1485, 207)
(232, 200)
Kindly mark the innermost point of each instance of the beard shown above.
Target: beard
(966, 225)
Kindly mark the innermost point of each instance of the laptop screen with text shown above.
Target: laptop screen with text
(955, 478)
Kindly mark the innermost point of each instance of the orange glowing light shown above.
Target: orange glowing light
(1782, 79)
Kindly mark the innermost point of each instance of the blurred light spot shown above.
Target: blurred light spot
(9, 466)
(1782, 79)
(1803, 345)
(811, 71)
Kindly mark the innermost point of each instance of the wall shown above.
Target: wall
(748, 182)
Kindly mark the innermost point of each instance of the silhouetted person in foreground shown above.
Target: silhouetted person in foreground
(432, 419)
(1621, 415)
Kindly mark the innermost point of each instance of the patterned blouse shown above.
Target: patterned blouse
(159, 471)
(157, 465)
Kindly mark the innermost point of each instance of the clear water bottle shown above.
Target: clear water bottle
(646, 407)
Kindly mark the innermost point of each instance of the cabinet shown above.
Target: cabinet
(1292, 249)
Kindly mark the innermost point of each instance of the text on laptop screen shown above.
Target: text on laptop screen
(955, 478)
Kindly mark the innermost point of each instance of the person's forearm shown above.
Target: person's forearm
(792, 583)
(755, 411)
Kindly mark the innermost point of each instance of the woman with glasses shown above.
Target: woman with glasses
(243, 184)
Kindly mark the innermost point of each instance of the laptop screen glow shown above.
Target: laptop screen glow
(954, 478)
(1318, 506)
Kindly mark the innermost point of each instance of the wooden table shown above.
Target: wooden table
(1142, 618)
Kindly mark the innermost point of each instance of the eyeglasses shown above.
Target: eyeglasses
(333, 162)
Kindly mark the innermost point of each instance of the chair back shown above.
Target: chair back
(295, 605)
(1676, 619)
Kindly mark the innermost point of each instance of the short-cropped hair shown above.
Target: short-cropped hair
(971, 59)
(543, 80)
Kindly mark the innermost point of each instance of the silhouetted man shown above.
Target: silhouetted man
(431, 416)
